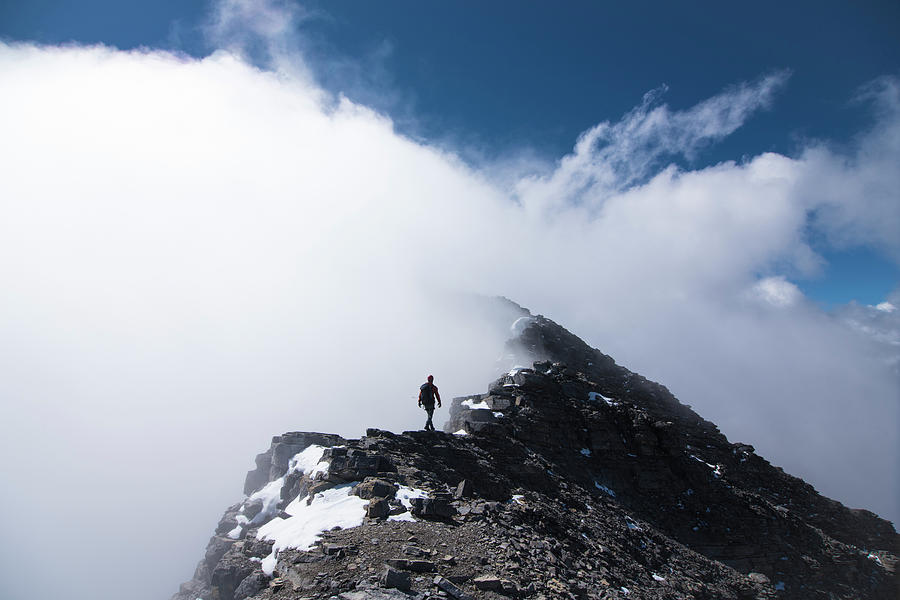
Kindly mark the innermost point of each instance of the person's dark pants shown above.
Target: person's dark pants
(429, 426)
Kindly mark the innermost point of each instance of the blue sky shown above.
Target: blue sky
(495, 78)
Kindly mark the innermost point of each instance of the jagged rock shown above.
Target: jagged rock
(463, 490)
(436, 507)
(488, 582)
(418, 566)
(451, 589)
(215, 550)
(593, 480)
(250, 585)
(378, 508)
(415, 551)
(375, 488)
(271, 464)
(373, 594)
(393, 578)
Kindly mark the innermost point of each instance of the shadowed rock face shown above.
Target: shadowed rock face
(573, 478)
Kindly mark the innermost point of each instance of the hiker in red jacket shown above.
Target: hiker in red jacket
(427, 394)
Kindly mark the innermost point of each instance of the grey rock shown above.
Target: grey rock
(434, 507)
(374, 594)
(488, 582)
(463, 490)
(378, 508)
(250, 585)
(418, 566)
(451, 588)
(414, 551)
(392, 578)
(375, 488)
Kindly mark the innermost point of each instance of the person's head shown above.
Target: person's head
(430, 378)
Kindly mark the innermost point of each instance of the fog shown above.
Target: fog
(196, 255)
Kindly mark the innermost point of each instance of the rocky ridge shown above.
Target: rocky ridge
(572, 478)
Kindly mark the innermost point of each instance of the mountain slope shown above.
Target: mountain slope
(571, 478)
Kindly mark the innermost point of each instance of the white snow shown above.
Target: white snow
(658, 578)
(518, 498)
(625, 590)
(309, 462)
(270, 495)
(515, 370)
(519, 325)
(407, 516)
(335, 507)
(404, 495)
(716, 469)
(876, 558)
(460, 432)
(585, 451)
(605, 489)
(499, 415)
(241, 521)
(481, 404)
(632, 525)
(598, 397)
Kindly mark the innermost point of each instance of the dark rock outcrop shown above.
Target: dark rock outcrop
(571, 478)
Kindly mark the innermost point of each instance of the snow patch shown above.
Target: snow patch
(461, 432)
(598, 397)
(716, 469)
(516, 369)
(480, 405)
(270, 496)
(585, 452)
(309, 462)
(405, 494)
(335, 507)
(658, 577)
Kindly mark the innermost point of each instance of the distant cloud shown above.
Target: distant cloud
(612, 157)
(853, 198)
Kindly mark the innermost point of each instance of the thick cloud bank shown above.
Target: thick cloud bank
(197, 254)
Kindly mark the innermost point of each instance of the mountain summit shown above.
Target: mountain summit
(570, 478)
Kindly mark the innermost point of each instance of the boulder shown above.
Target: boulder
(373, 487)
(378, 508)
(392, 578)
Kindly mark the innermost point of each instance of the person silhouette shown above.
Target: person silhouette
(428, 392)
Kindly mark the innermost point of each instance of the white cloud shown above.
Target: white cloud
(197, 254)
(777, 291)
(885, 307)
(854, 197)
